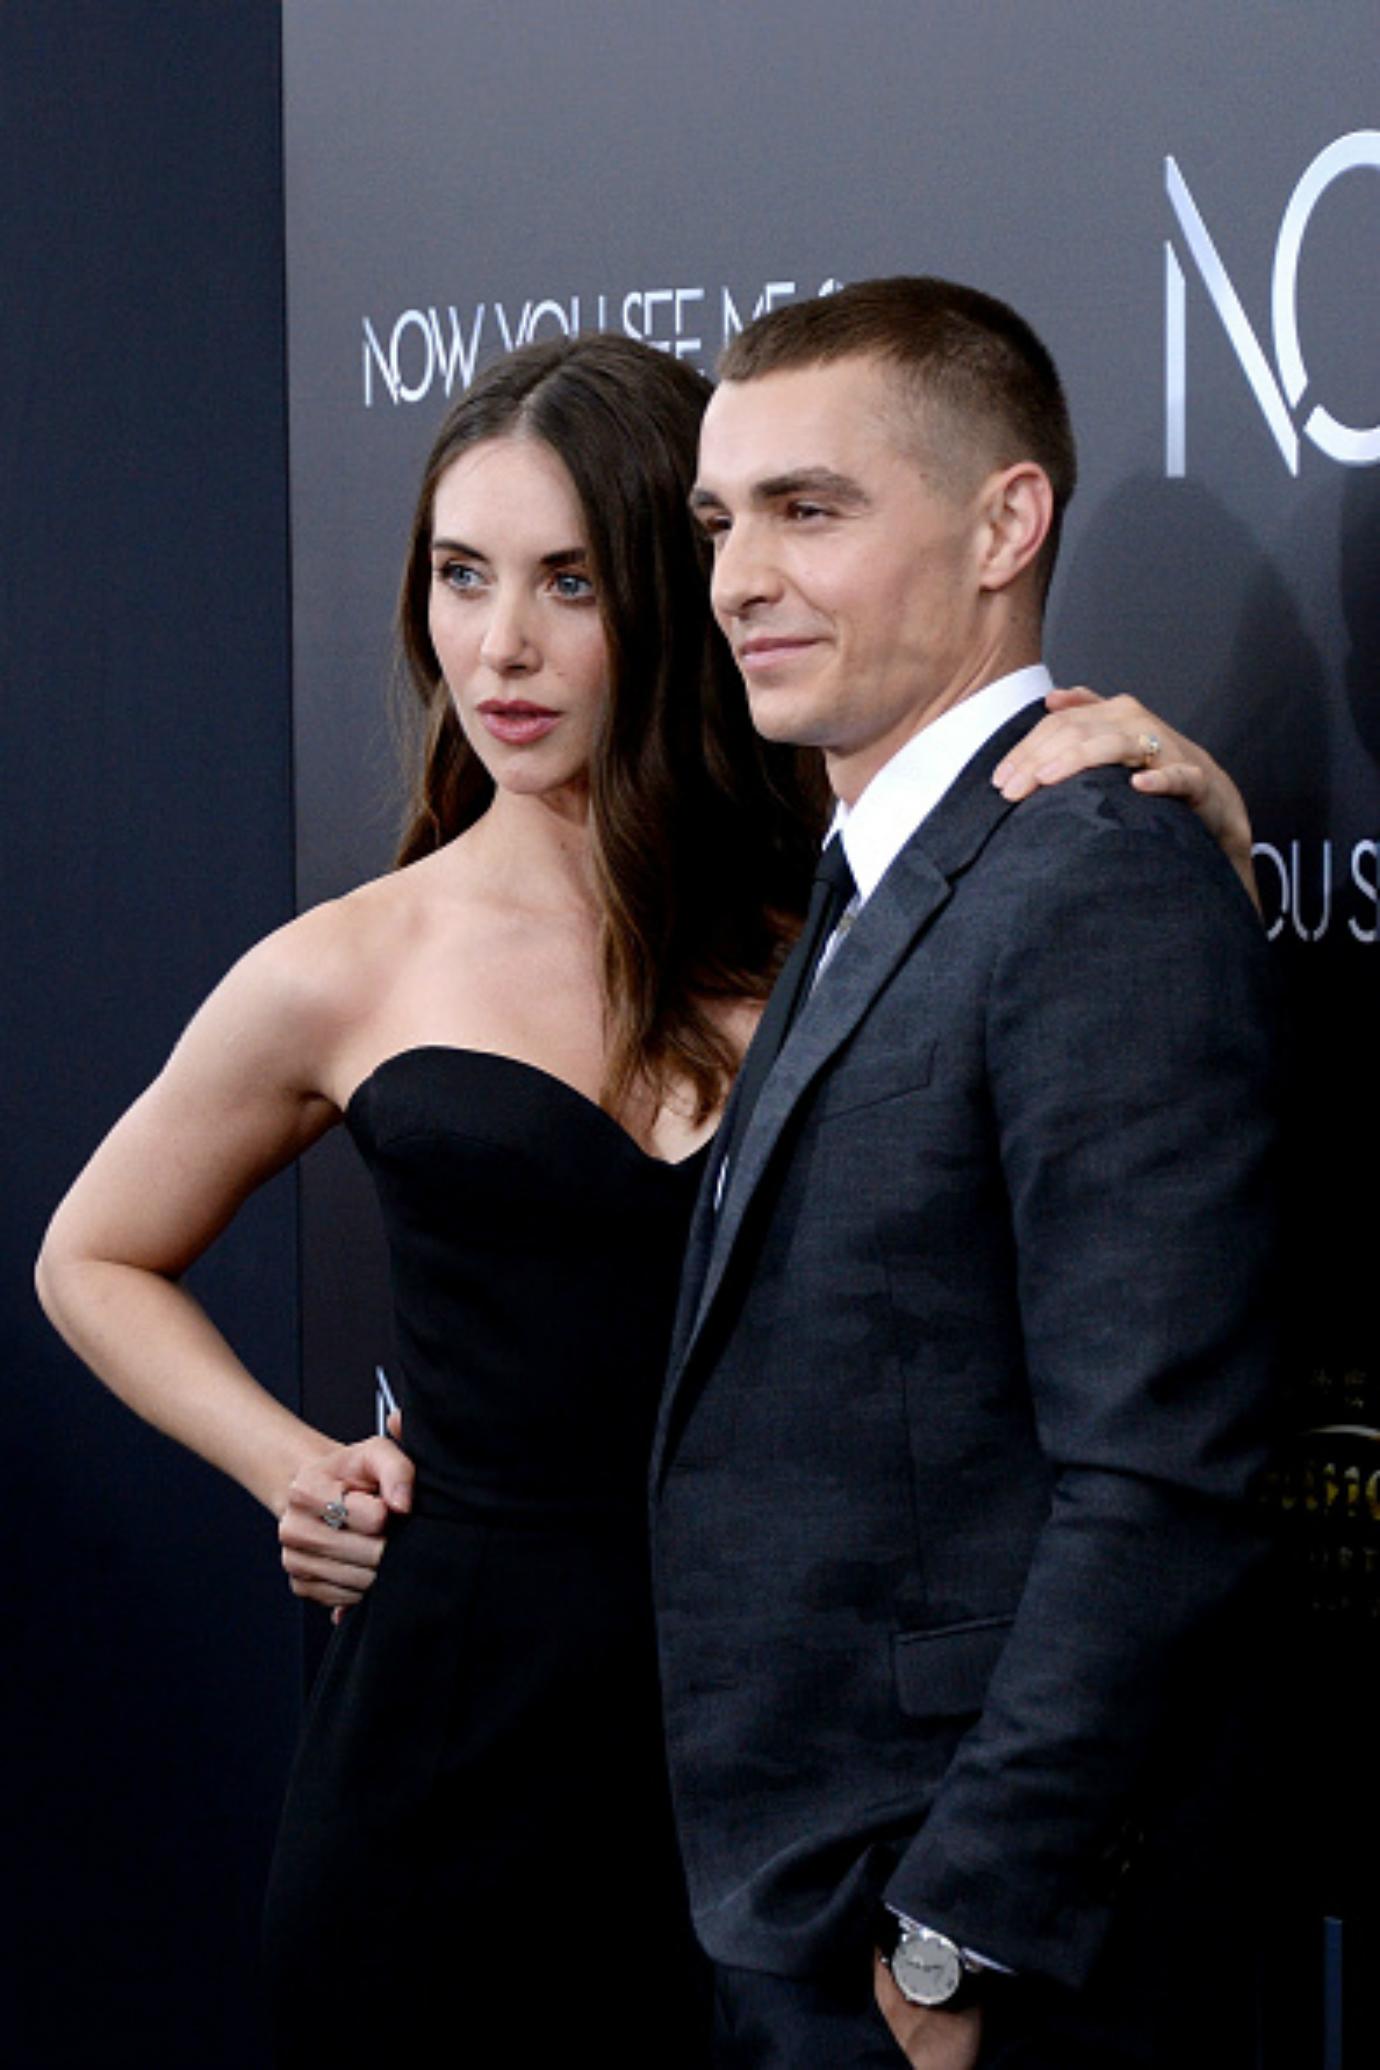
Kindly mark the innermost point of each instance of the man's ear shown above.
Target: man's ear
(1017, 509)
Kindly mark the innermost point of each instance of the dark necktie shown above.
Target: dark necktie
(833, 888)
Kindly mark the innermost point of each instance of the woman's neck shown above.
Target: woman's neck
(536, 852)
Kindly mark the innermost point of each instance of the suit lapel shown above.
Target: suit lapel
(914, 889)
(863, 962)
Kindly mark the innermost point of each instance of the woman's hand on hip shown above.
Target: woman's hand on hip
(333, 1528)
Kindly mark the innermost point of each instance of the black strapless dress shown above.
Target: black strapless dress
(477, 1841)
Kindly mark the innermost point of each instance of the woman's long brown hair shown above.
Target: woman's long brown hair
(702, 836)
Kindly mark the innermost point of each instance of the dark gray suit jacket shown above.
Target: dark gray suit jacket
(950, 1492)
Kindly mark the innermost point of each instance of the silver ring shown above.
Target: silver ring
(336, 1515)
(1149, 744)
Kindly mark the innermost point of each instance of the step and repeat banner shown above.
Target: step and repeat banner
(1185, 201)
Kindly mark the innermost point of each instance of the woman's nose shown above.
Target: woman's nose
(507, 642)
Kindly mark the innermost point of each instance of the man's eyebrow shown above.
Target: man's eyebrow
(810, 481)
(799, 481)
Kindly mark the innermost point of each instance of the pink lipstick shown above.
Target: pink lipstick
(517, 722)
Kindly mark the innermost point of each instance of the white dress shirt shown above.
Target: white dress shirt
(906, 789)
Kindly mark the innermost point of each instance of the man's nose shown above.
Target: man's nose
(744, 570)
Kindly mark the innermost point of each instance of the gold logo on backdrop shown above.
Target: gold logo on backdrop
(1324, 1491)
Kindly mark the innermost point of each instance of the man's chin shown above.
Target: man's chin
(787, 720)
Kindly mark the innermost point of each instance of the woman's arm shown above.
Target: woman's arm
(238, 1099)
(1085, 731)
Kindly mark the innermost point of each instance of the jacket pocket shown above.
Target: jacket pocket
(867, 1081)
(944, 1673)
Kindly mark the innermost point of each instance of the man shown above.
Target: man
(951, 1490)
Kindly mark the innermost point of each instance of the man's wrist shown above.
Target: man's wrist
(929, 1971)
(973, 1958)
(934, 1973)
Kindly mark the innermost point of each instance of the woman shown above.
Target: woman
(530, 1032)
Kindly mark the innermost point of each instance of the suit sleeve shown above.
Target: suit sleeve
(1131, 1069)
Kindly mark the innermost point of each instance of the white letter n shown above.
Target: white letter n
(1235, 322)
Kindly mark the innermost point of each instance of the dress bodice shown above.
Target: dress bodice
(535, 1254)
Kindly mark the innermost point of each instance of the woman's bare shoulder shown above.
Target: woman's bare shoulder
(296, 993)
(336, 953)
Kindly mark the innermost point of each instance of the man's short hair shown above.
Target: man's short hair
(953, 346)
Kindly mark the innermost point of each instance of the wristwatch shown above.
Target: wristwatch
(930, 1970)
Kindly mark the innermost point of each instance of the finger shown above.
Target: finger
(1128, 711)
(368, 1514)
(310, 1540)
(1068, 699)
(344, 1479)
(320, 1588)
(314, 1515)
(1048, 756)
(377, 1463)
(337, 1574)
(324, 1593)
(396, 1477)
(320, 1481)
(327, 1584)
(393, 1424)
(325, 1581)
(1140, 723)
(1058, 730)
(352, 1562)
(1173, 780)
(1089, 738)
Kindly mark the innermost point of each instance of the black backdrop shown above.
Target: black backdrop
(151, 1655)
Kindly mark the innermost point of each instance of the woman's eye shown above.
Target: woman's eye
(573, 587)
(457, 575)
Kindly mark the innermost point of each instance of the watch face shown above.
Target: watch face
(927, 1968)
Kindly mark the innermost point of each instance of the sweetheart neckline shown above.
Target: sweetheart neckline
(563, 1085)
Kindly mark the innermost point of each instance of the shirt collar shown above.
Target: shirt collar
(906, 789)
